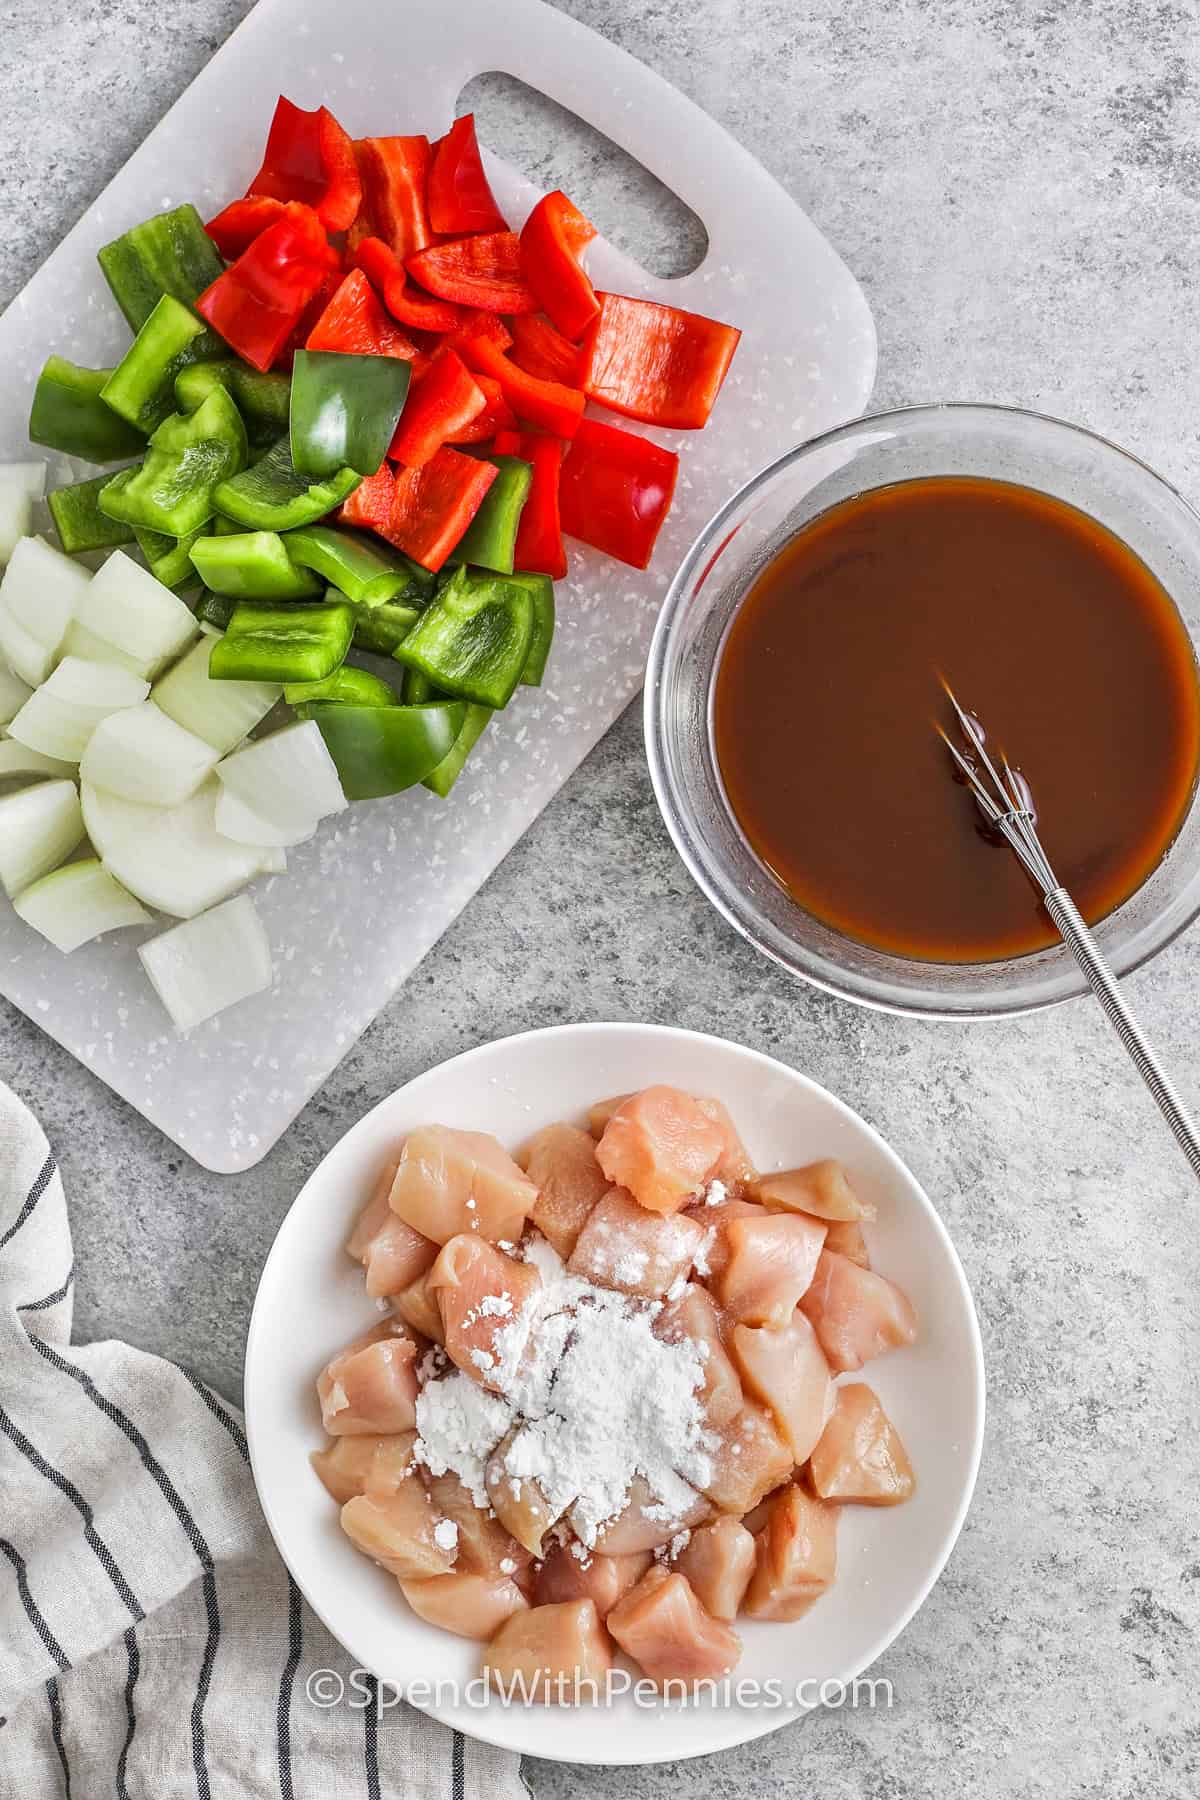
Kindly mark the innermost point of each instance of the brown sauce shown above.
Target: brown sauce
(1044, 623)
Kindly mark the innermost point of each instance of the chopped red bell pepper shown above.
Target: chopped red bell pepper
(371, 502)
(383, 268)
(656, 363)
(256, 303)
(354, 321)
(547, 404)
(442, 402)
(496, 416)
(539, 544)
(236, 228)
(310, 158)
(475, 324)
(615, 491)
(482, 271)
(423, 511)
(553, 239)
(460, 199)
(394, 172)
(299, 335)
(541, 349)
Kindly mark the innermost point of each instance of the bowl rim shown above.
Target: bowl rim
(1075, 985)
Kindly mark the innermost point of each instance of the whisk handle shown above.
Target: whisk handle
(1100, 979)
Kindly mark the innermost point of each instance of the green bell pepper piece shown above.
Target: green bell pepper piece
(382, 628)
(366, 570)
(416, 688)
(262, 399)
(541, 590)
(68, 415)
(345, 409)
(215, 609)
(347, 686)
(490, 539)
(440, 780)
(252, 565)
(188, 456)
(167, 558)
(271, 496)
(80, 523)
(385, 749)
(473, 639)
(169, 254)
(282, 643)
(141, 389)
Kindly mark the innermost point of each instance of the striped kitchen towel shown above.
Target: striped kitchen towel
(152, 1645)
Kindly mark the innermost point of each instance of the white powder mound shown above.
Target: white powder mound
(459, 1424)
(445, 1534)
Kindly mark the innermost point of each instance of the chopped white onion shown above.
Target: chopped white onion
(211, 962)
(142, 755)
(288, 779)
(60, 716)
(20, 485)
(16, 760)
(39, 828)
(129, 608)
(39, 596)
(171, 857)
(220, 712)
(236, 820)
(273, 860)
(13, 694)
(79, 641)
(74, 904)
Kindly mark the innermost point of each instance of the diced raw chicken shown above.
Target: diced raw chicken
(398, 1531)
(751, 1458)
(785, 1368)
(797, 1556)
(856, 1313)
(356, 1465)
(484, 1547)
(561, 1162)
(479, 1293)
(845, 1238)
(821, 1188)
(771, 1263)
(638, 1252)
(661, 1147)
(713, 1256)
(374, 1213)
(758, 1515)
(449, 1182)
(635, 1528)
(370, 1387)
(391, 1252)
(558, 1652)
(417, 1305)
(471, 1606)
(601, 1579)
(602, 1112)
(733, 1170)
(860, 1456)
(662, 1625)
(517, 1500)
(718, 1561)
(694, 1315)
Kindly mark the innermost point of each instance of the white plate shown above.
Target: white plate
(311, 1301)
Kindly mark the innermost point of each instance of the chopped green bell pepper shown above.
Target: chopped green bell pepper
(68, 415)
(252, 565)
(382, 628)
(490, 539)
(473, 639)
(262, 400)
(345, 409)
(416, 688)
(80, 523)
(385, 749)
(440, 780)
(366, 570)
(271, 496)
(141, 389)
(169, 254)
(282, 643)
(541, 589)
(167, 558)
(347, 686)
(189, 455)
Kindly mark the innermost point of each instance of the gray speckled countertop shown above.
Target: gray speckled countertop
(1018, 188)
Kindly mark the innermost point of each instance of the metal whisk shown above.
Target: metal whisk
(1004, 799)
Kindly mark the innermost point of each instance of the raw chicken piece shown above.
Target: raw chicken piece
(734, 1170)
(771, 1263)
(635, 1528)
(718, 1561)
(845, 1238)
(797, 1556)
(856, 1314)
(602, 1112)
(479, 1293)
(551, 1653)
(417, 1305)
(471, 1606)
(370, 1387)
(694, 1315)
(374, 1213)
(625, 1247)
(561, 1162)
(758, 1515)
(357, 1465)
(662, 1625)
(449, 1182)
(860, 1456)
(713, 1256)
(750, 1459)
(821, 1188)
(484, 1547)
(785, 1368)
(391, 1252)
(601, 1579)
(397, 1530)
(661, 1147)
(517, 1499)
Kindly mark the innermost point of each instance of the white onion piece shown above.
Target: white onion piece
(41, 592)
(211, 962)
(39, 828)
(273, 861)
(236, 820)
(59, 717)
(20, 485)
(288, 779)
(79, 641)
(171, 857)
(220, 712)
(127, 607)
(72, 905)
(13, 694)
(142, 755)
(16, 760)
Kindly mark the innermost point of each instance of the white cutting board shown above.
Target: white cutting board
(363, 902)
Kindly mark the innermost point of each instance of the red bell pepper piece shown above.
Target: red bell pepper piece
(553, 239)
(383, 268)
(394, 172)
(236, 228)
(546, 404)
(656, 363)
(299, 335)
(354, 321)
(539, 544)
(484, 325)
(496, 416)
(422, 511)
(460, 199)
(310, 158)
(615, 491)
(480, 271)
(257, 302)
(371, 502)
(442, 402)
(541, 349)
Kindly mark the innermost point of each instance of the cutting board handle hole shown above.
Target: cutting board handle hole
(555, 148)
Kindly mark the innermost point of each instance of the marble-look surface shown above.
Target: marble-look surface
(1018, 188)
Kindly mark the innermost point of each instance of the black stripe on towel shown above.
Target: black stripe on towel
(41, 1183)
(135, 1667)
(457, 1778)
(50, 1299)
(371, 1747)
(32, 1611)
(218, 1411)
(206, 1667)
(56, 1733)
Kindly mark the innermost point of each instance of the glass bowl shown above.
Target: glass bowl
(1003, 443)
